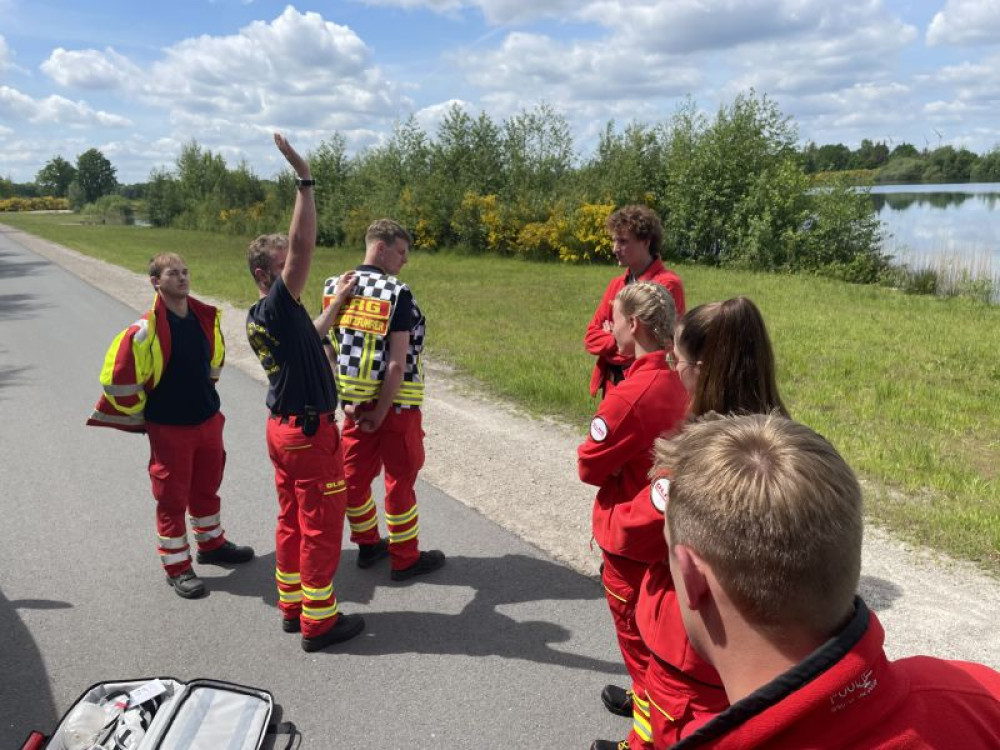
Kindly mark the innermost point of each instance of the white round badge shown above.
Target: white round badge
(659, 494)
(598, 430)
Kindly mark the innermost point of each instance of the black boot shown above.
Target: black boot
(228, 553)
(617, 700)
(187, 584)
(428, 562)
(369, 554)
(346, 628)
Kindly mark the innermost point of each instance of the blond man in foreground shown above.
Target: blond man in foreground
(764, 525)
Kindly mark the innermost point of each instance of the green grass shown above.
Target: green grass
(905, 386)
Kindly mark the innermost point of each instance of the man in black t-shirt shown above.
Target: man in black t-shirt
(302, 437)
(159, 378)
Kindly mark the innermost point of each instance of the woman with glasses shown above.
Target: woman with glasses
(616, 457)
(722, 355)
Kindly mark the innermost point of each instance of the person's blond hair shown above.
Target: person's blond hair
(159, 262)
(387, 231)
(774, 510)
(653, 306)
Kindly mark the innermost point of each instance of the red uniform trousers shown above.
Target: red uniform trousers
(312, 497)
(397, 445)
(678, 703)
(185, 468)
(621, 578)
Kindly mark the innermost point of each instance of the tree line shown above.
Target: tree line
(874, 161)
(731, 189)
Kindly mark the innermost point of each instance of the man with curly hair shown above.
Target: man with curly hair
(637, 235)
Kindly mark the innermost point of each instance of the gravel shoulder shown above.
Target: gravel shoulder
(520, 472)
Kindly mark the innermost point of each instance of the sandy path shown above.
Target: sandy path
(520, 472)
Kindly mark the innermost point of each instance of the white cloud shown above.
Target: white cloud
(298, 70)
(860, 107)
(5, 55)
(963, 22)
(974, 89)
(849, 45)
(429, 118)
(684, 26)
(90, 69)
(497, 12)
(54, 109)
(577, 72)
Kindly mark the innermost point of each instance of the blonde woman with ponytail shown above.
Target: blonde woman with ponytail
(616, 457)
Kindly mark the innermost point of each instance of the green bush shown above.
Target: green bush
(731, 190)
(108, 209)
(901, 169)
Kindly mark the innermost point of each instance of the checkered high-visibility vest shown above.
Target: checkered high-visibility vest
(360, 338)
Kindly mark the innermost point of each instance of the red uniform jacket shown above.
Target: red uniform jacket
(601, 343)
(658, 617)
(847, 694)
(618, 453)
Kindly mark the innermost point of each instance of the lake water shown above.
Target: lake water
(958, 225)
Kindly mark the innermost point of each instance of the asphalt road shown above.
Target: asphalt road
(503, 648)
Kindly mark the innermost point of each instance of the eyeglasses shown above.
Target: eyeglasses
(675, 364)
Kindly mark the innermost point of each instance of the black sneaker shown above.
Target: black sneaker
(369, 554)
(187, 584)
(617, 700)
(291, 625)
(609, 745)
(346, 628)
(227, 553)
(428, 562)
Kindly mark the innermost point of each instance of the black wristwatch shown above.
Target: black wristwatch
(305, 183)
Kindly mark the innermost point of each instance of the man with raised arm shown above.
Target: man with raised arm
(302, 437)
(764, 526)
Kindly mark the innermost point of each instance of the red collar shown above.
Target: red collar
(654, 268)
(653, 361)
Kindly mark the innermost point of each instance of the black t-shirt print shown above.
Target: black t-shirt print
(282, 335)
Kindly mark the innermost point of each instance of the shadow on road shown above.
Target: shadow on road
(480, 629)
(254, 579)
(25, 695)
(18, 306)
(878, 593)
(10, 376)
(12, 269)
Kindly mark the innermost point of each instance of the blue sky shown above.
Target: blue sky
(138, 80)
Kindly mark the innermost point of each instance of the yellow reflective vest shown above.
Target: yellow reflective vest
(135, 361)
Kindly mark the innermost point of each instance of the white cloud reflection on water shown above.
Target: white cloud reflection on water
(927, 225)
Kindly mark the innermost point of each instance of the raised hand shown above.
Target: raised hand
(300, 165)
